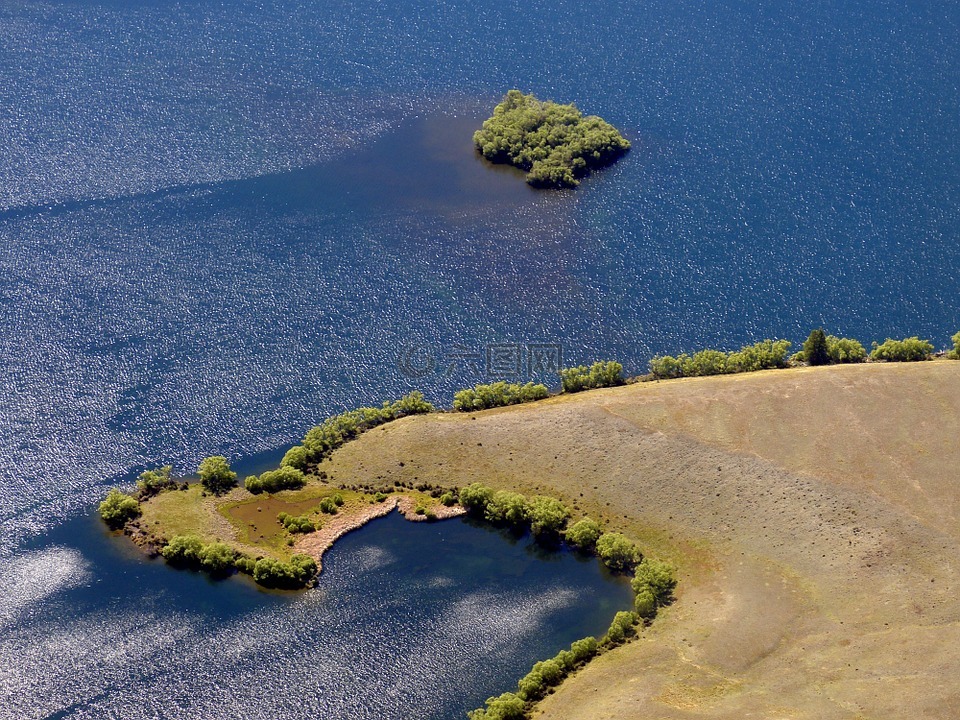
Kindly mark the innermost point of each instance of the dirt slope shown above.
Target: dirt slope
(812, 514)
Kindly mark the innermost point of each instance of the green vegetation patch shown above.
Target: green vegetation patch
(498, 394)
(911, 349)
(759, 356)
(554, 143)
(333, 432)
(605, 373)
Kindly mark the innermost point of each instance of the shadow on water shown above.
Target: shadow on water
(426, 164)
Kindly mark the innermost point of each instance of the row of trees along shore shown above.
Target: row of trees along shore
(547, 518)
(119, 508)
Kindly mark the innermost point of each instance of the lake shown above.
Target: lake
(221, 222)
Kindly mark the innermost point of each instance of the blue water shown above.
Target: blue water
(408, 620)
(220, 222)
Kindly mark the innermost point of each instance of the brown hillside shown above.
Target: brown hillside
(812, 513)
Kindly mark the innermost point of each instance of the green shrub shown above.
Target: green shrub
(507, 507)
(475, 498)
(296, 523)
(566, 659)
(645, 603)
(448, 499)
(584, 533)
(380, 497)
(338, 500)
(508, 706)
(153, 482)
(600, 374)
(271, 481)
(955, 353)
(290, 575)
(295, 457)
(217, 558)
(183, 550)
(657, 576)
(617, 552)
(621, 627)
(499, 394)
(548, 516)
(245, 564)
(532, 686)
(216, 475)
(118, 508)
(555, 143)
(909, 349)
(759, 356)
(584, 649)
(845, 350)
(550, 670)
(328, 506)
(815, 348)
(323, 439)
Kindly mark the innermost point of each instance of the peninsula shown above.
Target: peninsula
(554, 143)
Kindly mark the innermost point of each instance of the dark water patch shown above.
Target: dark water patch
(448, 612)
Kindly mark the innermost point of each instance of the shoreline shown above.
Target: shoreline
(317, 543)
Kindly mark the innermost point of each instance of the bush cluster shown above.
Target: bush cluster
(617, 552)
(296, 523)
(584, 534)
(153, 482)
(216, 475)
(329, 505)
(605, 373)
(653, 584)
(286, 575)
(555, 143)
(271, 481)
(845, 350)
(621, 627)
(911, 349)
(333, 432)
(190, 551)
(118, 508)
(545, 516)
(498, 394)
(220, 559)
(759, 356)
(955, 353)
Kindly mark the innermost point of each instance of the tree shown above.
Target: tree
(508, 706)
(183, 550)
(657, 576)
(845, 350)
(216, 475)
(616, 552)
(911, 349)
(815, 348)
(155, 481)
(475, 498)
(547, 516)
(955, 353)
(507, 507)
(584, 533)
(118, 508)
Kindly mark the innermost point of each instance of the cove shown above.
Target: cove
(408, 619)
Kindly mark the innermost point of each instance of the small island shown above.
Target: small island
(554, 143)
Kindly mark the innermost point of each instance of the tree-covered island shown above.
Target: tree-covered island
(554, 143)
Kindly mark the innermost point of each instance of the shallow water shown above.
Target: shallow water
(220, 222)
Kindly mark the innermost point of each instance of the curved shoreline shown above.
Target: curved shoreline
(317, 543)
